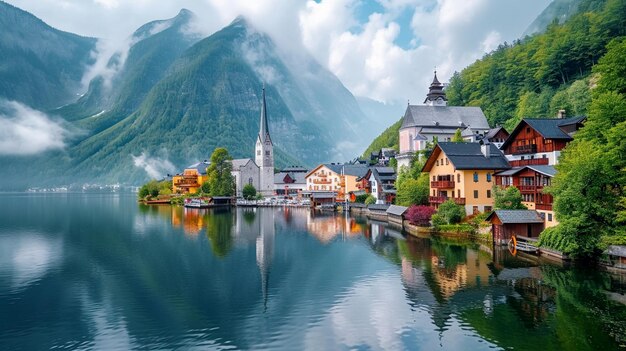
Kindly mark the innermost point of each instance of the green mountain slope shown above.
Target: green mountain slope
(39, 65)
(544, 73)
(388, 138)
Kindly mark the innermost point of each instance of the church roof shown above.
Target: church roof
(241, 162)
(444, 117)
(264, 131)
(436, 90)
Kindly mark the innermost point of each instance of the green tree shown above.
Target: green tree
(507, 199)
(413, 191)
(457, 137)
(219, 176)
(249, 192)
(450, 212)
(370, 199)
(205, 188)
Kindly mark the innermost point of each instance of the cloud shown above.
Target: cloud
(25, 131)
(356, 39)
(155, 167)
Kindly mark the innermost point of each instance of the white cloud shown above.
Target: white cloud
(155, 167)
(25, 131)
(448, 34)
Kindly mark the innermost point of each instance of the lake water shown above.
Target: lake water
(88, 271)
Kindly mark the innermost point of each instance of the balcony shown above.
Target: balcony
(185, 183)
(527, 188)
(530, 162)
(543, 207)
(442, 184)
(322, 181)
(442, 199)
(525, 149)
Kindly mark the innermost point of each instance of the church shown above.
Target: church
(259, 173)
(435, 120)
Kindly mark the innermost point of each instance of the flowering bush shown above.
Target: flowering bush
(420, 215)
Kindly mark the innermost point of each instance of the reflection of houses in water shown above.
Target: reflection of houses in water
(326, 227)
(194, 220)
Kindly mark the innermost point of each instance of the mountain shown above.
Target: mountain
(560, 11)
(40, 66)
(175, 96)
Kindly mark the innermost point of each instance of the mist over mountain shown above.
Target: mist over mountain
(173, 96)
(40, 66)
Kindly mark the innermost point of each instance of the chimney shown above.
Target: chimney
(485, 149)
(561, 114)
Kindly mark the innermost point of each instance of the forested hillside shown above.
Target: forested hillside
(539, 75)
(389, 138)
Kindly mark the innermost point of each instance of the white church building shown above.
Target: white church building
(435, 120)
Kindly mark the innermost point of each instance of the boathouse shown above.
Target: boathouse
(377, 211)
(395, 214)
(521, 223)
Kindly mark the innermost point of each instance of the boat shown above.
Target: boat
(197, 203)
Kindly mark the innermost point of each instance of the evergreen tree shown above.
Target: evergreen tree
(457, 137)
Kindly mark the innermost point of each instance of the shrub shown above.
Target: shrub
(361, 198)
(438, 220)
(370, 200)
(420, 215)
(451, 212)
(249, 192)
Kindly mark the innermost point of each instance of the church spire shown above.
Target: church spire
(264, 132)
(436, 95)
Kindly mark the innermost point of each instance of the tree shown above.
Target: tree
(206, 187)
(450, 212)
(361, 198)
(413, 191)
(457, 137)
(420, 215)
(370, 199)
(507, 199)
(219, 176)
(249, 192)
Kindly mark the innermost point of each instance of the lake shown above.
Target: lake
(92, 271)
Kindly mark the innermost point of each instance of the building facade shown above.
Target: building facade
(290, 182)
(435, 121)
(245, 171)
(464, 173)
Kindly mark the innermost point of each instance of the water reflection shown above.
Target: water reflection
(116, 276)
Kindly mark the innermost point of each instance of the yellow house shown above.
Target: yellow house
(335, 177)
(190, 181)
(464, 172)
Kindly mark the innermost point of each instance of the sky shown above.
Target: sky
(382, 49)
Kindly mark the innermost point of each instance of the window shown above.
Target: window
(489, 177)
(475, 209)
(487, 208)
(475, 177)
(258, 152)
(475, 194)
(267, 153)
(437, 163)
(433, 192)
(433, 178)
(549, 217)
(250, 180)
(527, 130)
(489, 194)
(447, 161)
(458, 193)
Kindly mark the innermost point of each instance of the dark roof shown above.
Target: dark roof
(357, 170)
(448, 117)
(492, 132)
(357, 205)
(550, 171)
(200, 166)
(516, 216)
(396, 210)
(240, 162)
(549, 128)
(436, 90)
(279, 178)
(294, 169)
(323, 195)
(544, 169)
(468, 156)
(378, 207)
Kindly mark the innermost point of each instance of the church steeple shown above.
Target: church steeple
(436, 96)
(264, 132)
